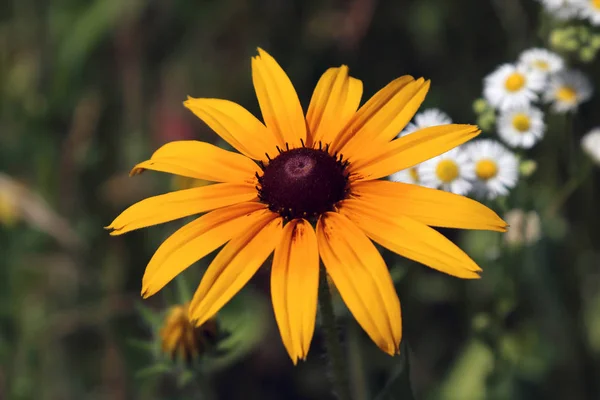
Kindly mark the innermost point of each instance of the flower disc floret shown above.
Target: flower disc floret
(515, 82)
(521, 122)
(303, 183)
(486, 169)
(447, 171)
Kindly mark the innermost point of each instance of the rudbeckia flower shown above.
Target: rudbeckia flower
(180, 339)
(308, 187)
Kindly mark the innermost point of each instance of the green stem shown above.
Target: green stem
(337, 366)
(399, 380)
(567, 190)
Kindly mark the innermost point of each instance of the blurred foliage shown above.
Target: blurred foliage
(89, 88)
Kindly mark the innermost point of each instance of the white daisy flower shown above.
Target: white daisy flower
(590, 9)
(512, 86)
(591, 144)
(541, 60)
(561, 9)
(426, 119)
(451, 171)
(409, 175)
(521, 126)
(567, 89)
(496, 168)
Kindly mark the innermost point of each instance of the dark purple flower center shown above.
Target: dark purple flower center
(303, 183)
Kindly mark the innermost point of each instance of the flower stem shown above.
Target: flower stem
(337, 366)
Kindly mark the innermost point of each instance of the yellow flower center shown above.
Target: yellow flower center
(486, 169)
(521, 122)
(566, 94)
(515, 82)
(447, 171)
(413, 174)
(541, 64)
(596, 4)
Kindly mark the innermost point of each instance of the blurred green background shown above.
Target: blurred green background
(90, 88)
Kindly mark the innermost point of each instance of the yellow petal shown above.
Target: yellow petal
(294, 286)
(235, 125)
(179, 204)
(197, 239)
(334, 102)
(429, 206)
(411, 150)
(233, 267)
(387, 120)
(278, 100)
(200, 160)
(370, 109)
(410, 239)
(362, 278)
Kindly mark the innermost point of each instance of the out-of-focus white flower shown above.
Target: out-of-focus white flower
(591, 144)
(425, 119)
(525, 228)
(496, 168)
(541, 60)
(451, 171)
(561, 9)
(521, 126)
(512, 86)
(409, 175)
(567, 90)
(590, 9)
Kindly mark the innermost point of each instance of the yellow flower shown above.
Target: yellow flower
(9, 213)
(308, 187)
(181, 339)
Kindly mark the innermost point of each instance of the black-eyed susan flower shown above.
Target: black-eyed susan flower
(308, 186)
(181, 339)
(496, 168)
(512, 86)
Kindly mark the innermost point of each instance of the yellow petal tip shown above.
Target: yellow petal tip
(392, 350)
(136, 171)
